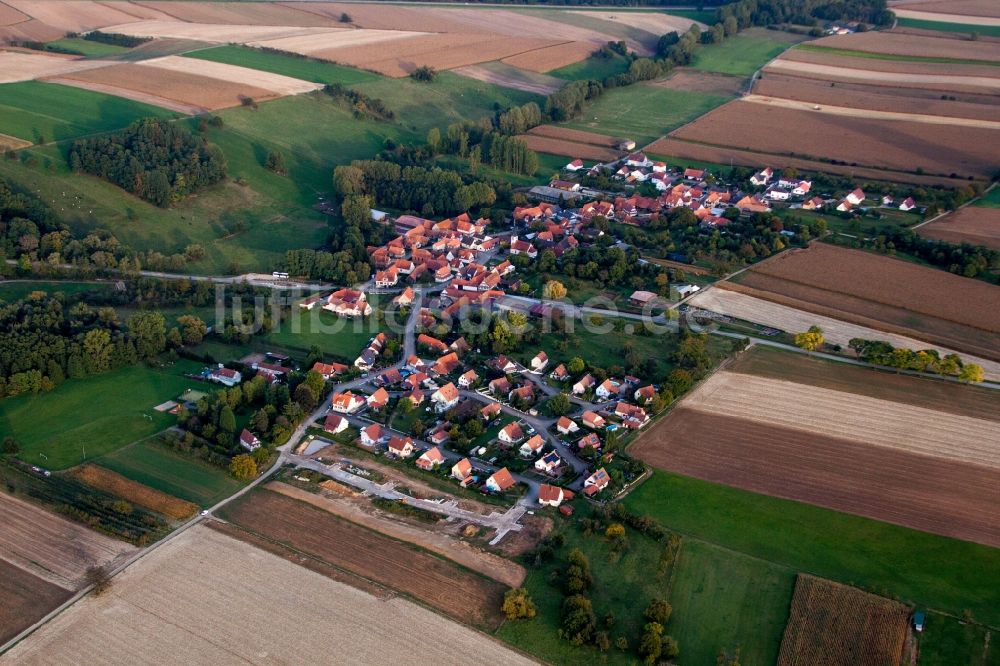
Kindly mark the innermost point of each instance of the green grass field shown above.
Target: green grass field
(592, 68)
(944, 26)
(743, 54)
(86, 47)
(300, 68)
(991, 199)
(644, 112)
(31, 109)
(156, 465)
(13, 291)
(891, 56)
(99, 414)
(724, 600)
(341, 338)
(914, 567)
(947, 641)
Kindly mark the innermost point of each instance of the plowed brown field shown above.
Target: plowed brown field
(432, 580)
(574, 135)
(551, 57)
(572, 149)
(10, 16)
(907, 45)
(890, 144)
(972, 224)
(26, 599)
(256, 13)
(21, 66)
(73, 15)
(965, 7)
(982, 85)
(837, 59)
(137, 493)
(832, 624)
(8, 142)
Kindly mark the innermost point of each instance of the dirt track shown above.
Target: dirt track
(206, 599)
(826, 109)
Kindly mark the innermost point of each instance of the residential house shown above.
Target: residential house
(638, 160)
(908, 204)
(608, 388)
(401, 447)
(416, 397)
(503, 364)
(813, 204)
(540, 361)
(763, 177)
(590, 439)
(386, 278)
(522, 247)
(566, 425)
(500, 387)
(462, 469)
(593, 420)
(560, 373)
(500, 481)
(445, 397)
(249, 441)
(346, 402)
(694, 175)
(405, 297)
(335, 424)
(378, 399)
(440, 434)
(328, 370)
(532, 447)
(844, 206)
(631, 415)
(574, 166)
(549, 495)
(524, 394)
(549, 464)
(424, 340)
(447, 364)
(490, 411)
(584, 384)
(372, 435)
(430, 459)
(348, 303)
(855, 197)
(225, 376)
(642, 298)
(645, 394)
(596, 482)
(269, 371)
(511, 433)
(467, 379)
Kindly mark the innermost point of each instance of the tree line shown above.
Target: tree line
(112, 38)
(155, 160)
(882, 353)
(971, 261)
(361, 105)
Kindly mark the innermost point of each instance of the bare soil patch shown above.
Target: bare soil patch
(206, 599)
(73, 15)
(256, 13)
(375, 16)
(137, 493)
(26, 599)
(137, 95)
(50, 546)
(230, 74)
(988, 84)
(889, 144)
(694, 80)
(861, 96)
(8, 142)
(574, 135)
(10, 16)
(570, 149)
(964, 8)
(187, 89)
(219, 33)
(535, 528)
(551, 57)
(835, 59)
(440, 584)
(316, 43)
(30, 31)
(432, 539)
(832, 624)
(972, 224)
(525, 24)
(672, 147)
(949, 498)
(22, 66)
(908, 45)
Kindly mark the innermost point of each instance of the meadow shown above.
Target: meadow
(592, 68)
(743, 54)
(85, 47)
(340, 338)
(306, 69)
(85, 418)
(153, 463)
(944, 26)
(33, 111)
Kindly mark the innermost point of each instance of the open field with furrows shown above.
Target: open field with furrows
(10, 16)
(180, 91)
(879, 62)
(502, 74)
(890, 144)
(571, 149)
(907, 45)
(436, 582)
(926, 303)
(77, 15)
(51, 547)
(258, 13)
(551, 57)
(574, 135)
(959, 21)
(863, 96)
(228, 32)
(833, 624)
(22, 66)
(940, 81)
(977, 225)
(744, 306)
(830, 413)
(498, 568)
(26, 599)
(693, 80)
(119, 486)
(205, 598)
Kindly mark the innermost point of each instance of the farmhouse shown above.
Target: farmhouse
(566, 425)
(346, 403)
(401, 447)
(462, 469)
(269, 371)
(445, 397)
(373, 435)
(348, 303)
(549, 495)
(855, 197)
(249, 441)
(500, 481)
(596, 482)
(430, 459)
(532, 447)
(908, 204)
(335, 424)
(549, 464)
(575, 165)
(511, 433)
(225, 376)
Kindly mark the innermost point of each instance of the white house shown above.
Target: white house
(596, 482)
(401, 447)
(347, 402)
(566, 426)
(908, 204)
(372, 435)
(335, 424)
(608, 388)
(549, 495)
(549, 463)
(778, 195)
(445, 397)
(249, 441)
(540, 361)
(584, 384)
(574, 166)
(468, 379)
(500, 481)
(532, 447)
(511, 433)
(763, 177)
(855, 197)
(225, 376)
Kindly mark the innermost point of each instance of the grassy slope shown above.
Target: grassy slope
(157, 466)
(31, 109)
(944, 26)
(913, 566)
(100, 413)
(592, 68)
(299, 68)
(644, 112)
(87, 47)
(741, 55)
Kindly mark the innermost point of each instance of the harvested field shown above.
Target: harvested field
(191, 602)
(529, 24)
(495, 567)
(972, 224)
(828, 413)
(233, 74)
(947, 18)
(671, 147)
(860, 96)
(219, 33)
(656, 23)
(434, 581)
(867, 142)
(21, 66)
(906, 45)
(26, 599)
(942, 81)
(574, 135)
(832, 624)
(316, 43)
(30, 31)
(839, 59)
(758, 310)
(119, 486)
(50, 546)
(963, 8)
(848, 112)
(551, 57)
(696, 80)
(257, 13)
(945, 497)
(374, 16)
(10, 16)
(152, 83)
(572, 149)
(8, 142)
(510, 77)
(74, 15)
